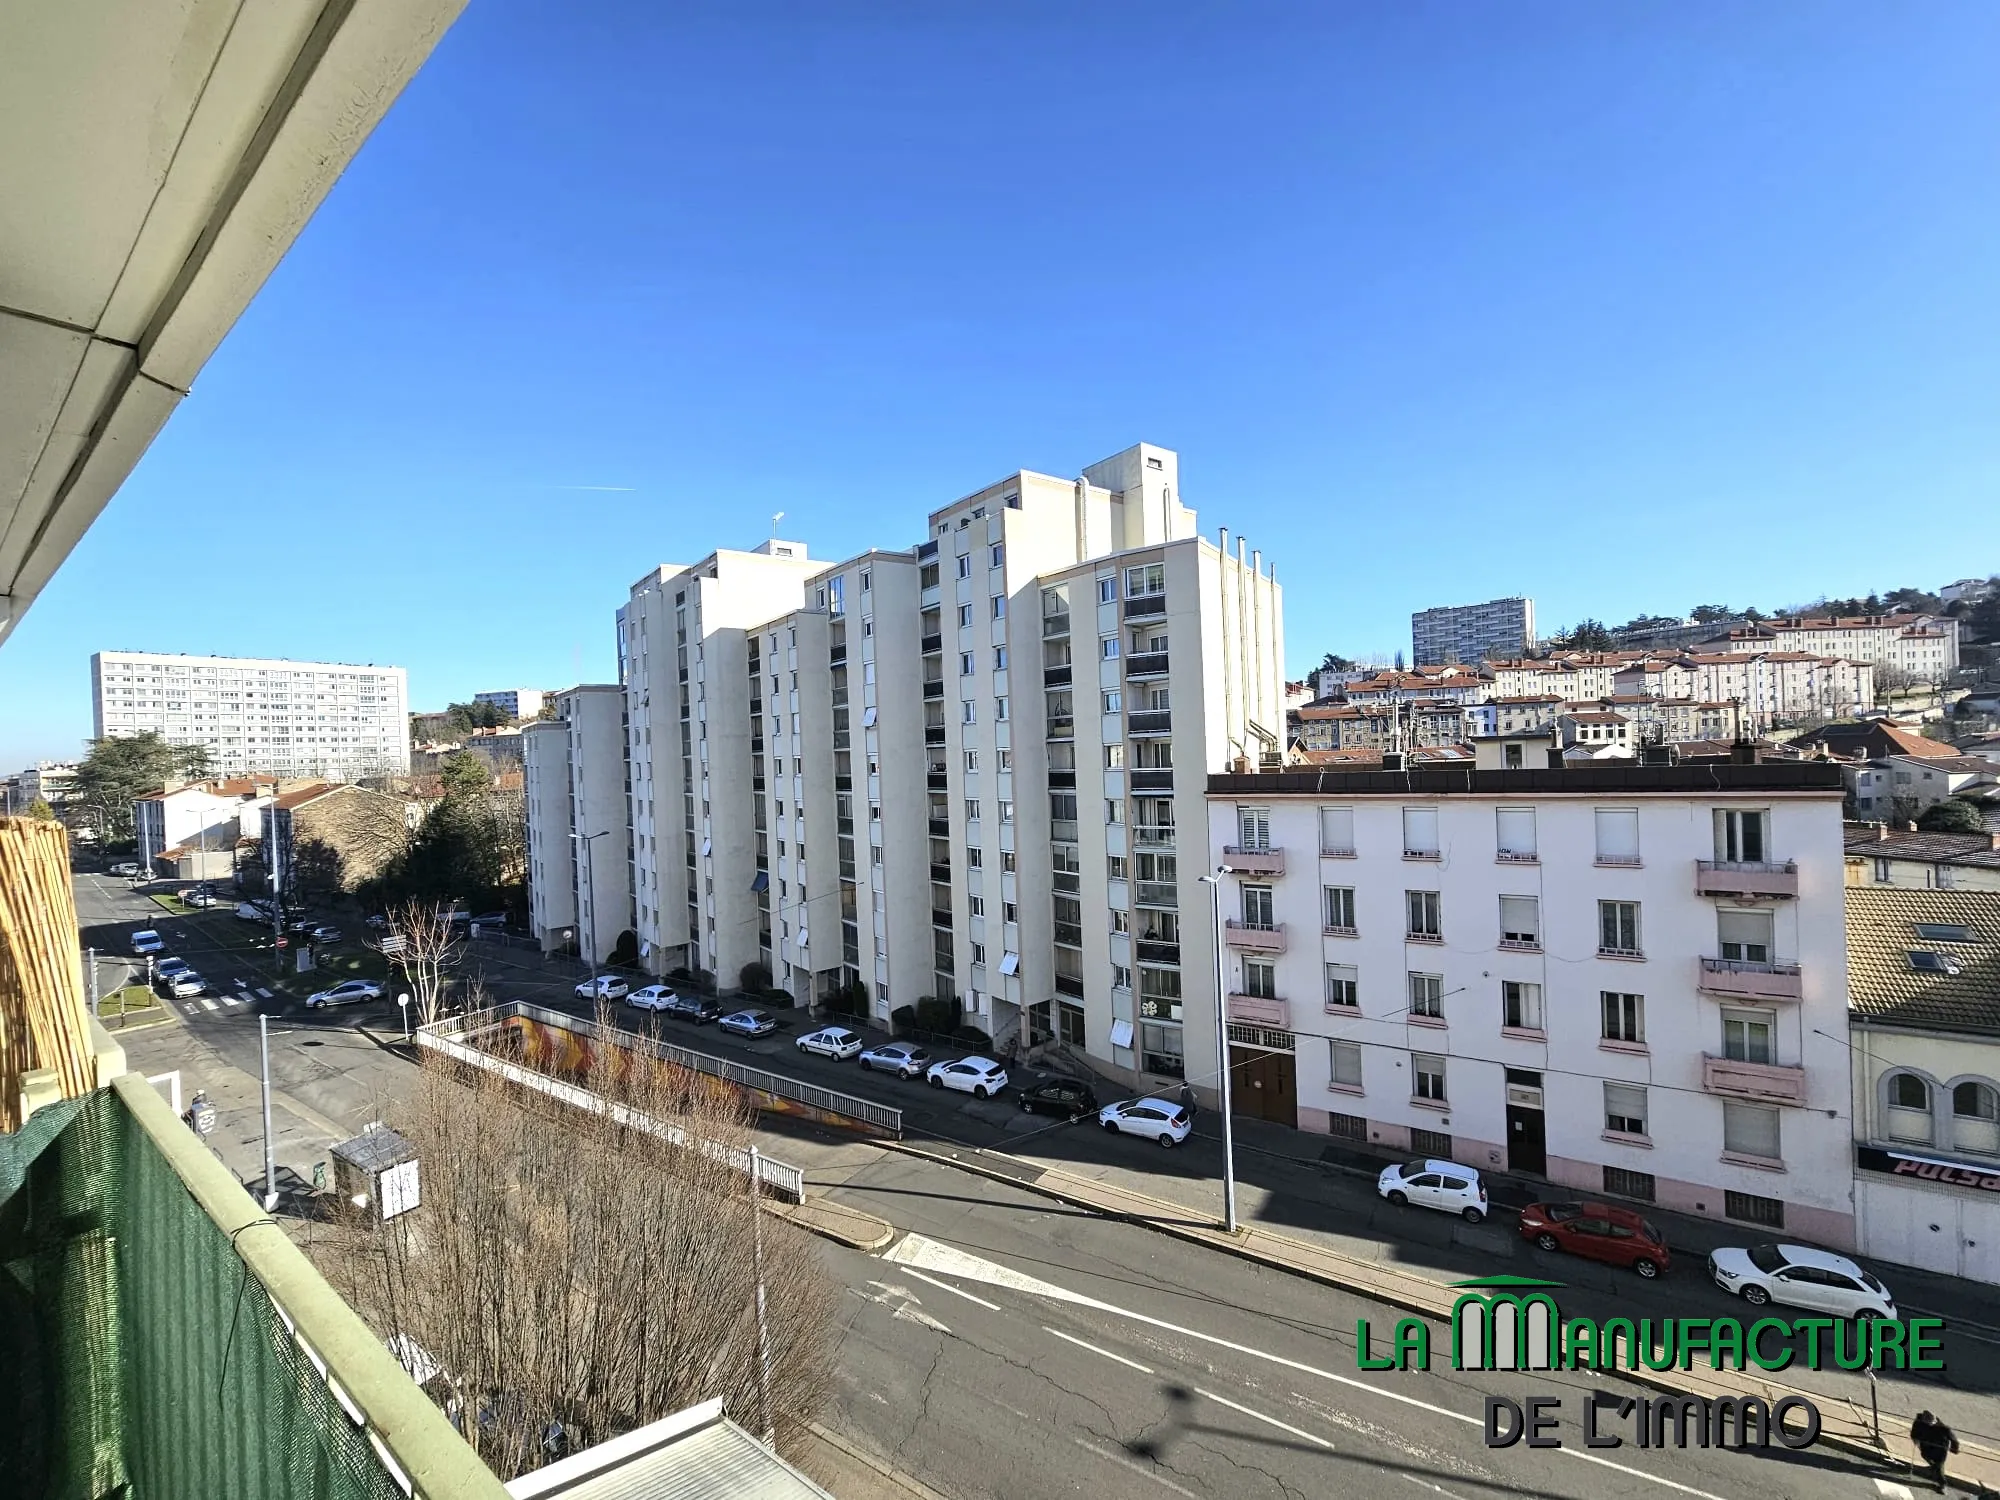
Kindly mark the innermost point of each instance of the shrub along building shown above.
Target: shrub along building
(1055, 667)
(1630, 980)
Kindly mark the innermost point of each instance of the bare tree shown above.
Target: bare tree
(566, 1268)
(422, 942)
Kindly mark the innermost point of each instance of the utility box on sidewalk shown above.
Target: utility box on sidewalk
(377, 1173)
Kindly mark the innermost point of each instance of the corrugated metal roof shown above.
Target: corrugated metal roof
(691, 1460)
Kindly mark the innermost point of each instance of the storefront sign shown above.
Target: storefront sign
(1927, 1169)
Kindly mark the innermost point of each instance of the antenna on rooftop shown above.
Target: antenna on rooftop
(774, 524)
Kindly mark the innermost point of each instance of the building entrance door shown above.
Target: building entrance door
(1527, 1126)
(1264, 1085)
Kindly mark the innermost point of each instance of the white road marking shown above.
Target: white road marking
(232, 999)
(956, 1291)
(1124, 1462)
(263, 994)
(1452, 1494)
(918, 1250)
(1083, 1344)
(207, 1004)
(1959, 1326)
(1893, 1490)
(1281, 1426)
(903, 1304)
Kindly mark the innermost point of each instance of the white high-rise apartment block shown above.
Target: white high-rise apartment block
(331, 720)
(958, 772)
(1470, 633)
(1629, 981)
(515, 703)
(579, 840)
(1925, 646)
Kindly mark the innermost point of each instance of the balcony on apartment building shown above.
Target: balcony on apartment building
(1163, 894)
(1248, 937)
(934, 734)
(1738, 979)
(1153, 835)
(1259, 1010)
(1245, 860)
(934, 779)
(1157, 951)
(1057, 676)
(933, 687)
(932, 644)
(1055, 625)
(1718, 877)
(1149, 721)
(1766, 1083)
(1152, 778)
(1144, 605)
(1146, 664)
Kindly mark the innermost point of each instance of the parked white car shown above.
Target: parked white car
(980, 1076)
(1164, 1120)
(1430, 1183)
(831, 1041)
(603, 987)
(347, 992)
(1801, 1277)
(651, 997)
(147, 941)
(126, 867)
(185, 984)
(904, 1059)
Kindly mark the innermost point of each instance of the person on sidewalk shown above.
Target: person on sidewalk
(1934, 1441)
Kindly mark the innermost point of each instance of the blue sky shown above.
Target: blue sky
(1626, 307)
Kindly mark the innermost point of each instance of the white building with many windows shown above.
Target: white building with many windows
(331, 720)
(1629, 980)
(957, 772)
(579, 835)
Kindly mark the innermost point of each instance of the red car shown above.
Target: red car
(1597, 1231)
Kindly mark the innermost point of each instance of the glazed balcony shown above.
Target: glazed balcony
(1735, 979)
(1716, 877)
(1766, 1083)
(1246, 861)
(1246, 938)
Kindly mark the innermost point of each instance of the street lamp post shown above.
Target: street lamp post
(587, 931)
(1214, 884)
(270, 1166)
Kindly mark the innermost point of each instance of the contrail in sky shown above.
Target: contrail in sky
(611, 489)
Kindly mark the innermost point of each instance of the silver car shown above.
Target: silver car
(904, 1059)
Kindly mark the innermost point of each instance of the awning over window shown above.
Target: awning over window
(1121, 1033)
(1010, 963)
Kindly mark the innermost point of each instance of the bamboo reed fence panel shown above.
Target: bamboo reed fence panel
(44, 1019)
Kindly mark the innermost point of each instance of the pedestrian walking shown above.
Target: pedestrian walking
(1934, 1442)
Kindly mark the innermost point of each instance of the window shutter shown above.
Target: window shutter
(1336, 829)
(1516, 830)
(1618, 835)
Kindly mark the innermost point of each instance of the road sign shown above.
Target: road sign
(284, 942)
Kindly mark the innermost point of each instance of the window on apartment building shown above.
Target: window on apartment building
(1624, 1109)
(1114, 866)
(1747, 1035)
(999, 710)
(999, 606)
(867, 580)
(1009, 912)
(1121, 977)
(1120, 921)
(1113, 702)
(1617, 836)
(1424, 917)
(997, 555)
(1114, 757)
(1427, 1076)
(1007, 861)
(1521, 921)
(1520, 1005)
(974, 859)
(976, 905)
(1114, 811)
(1624, 1016)
(1744, 936)
(999, 658)
(1427, 996)
(1107, 648)
(1005, 758)
(1618, 928)
(969, 711)
(1741, 835)
(1144, 580)
(1253, 829)
(1343, 986)
(1514, 833)
(1107, 589)
(1336, 830)
(1258, 901)
(1006, 811)
(965, 566)
(972, 809)
(964, 615)
(1751, 1130)
(1344, 1065)
(1338, 907)
(1260, 978)
(1160, 1050)
(1420, 833)
(965, 663)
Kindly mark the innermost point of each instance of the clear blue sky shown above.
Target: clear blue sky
(1628, 307)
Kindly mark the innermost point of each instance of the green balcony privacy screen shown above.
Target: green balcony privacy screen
(138, 1355)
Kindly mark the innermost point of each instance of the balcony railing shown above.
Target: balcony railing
(940, 918)
(1062, 729)
(1056, 676)
(1063, 779)
(1069, 984)
(1767, 1083)
(931, 643)
(1150, 721)
(1146, 664)
(1737, 979)
(941, 871)
(1260, 1010)
(1162, 894)
(934, 734)
(934, 688)
(1246, 937)
(936, 781)
(1153, 835)
(1145, 604)
(1247, 861)
(1153, 951)
(1715, 877)
(1054, 625)
(1152, 779)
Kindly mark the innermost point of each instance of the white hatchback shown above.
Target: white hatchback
(981, 1076)
(831, 1041)
(652, 997)
(603, 987)
(1162, 1120)
(1430, 1183)
(1801, 1277)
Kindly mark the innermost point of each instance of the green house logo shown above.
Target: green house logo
(1505, 1323)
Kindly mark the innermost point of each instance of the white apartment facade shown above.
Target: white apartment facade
(1470, 633)
(515, 703)
(957, 771)
(579, 837)
(1925, 646)
(332, 720)
(1629, 980)
(207, 817)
